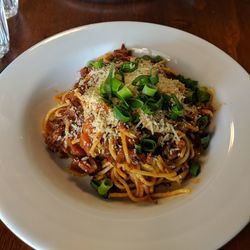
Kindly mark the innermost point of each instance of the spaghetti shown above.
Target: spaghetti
(134, 125)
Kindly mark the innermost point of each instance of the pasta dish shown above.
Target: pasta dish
(134, 125)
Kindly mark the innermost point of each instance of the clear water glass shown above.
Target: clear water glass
(4, 32)
(11, 8)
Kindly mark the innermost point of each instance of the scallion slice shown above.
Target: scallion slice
(96, 64)
(148, 145)
(177, 102)
(156, 59)
(205, 141)
(203, 95)
(116, 85)
(128, 67)
(122, 114)
(154, 79)
(177, 110)
(203, 121)
(95, 184)
(106, 86)
(194, 168)
(146, 109)
(136, 103)
(189, 83)
(104, 187)
(124, 93)
(138, 148)
(147, 57)
(149, 90)
(141, 80)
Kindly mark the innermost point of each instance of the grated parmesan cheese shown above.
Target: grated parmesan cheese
(157, 123)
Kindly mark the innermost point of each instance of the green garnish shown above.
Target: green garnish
(194, 168)
(191, 97)
(106, 86)
(96, 64)
(189, 83)
(203, 95)
(153, 59)
(147, 57)
(122, 113)
(104, 187)
(176, 113)
(116, 85)
(154, 79)
(148, 145)
(95, 184)
(136, 103)
(124, 93)
(149, 90)
(128, 67)
(146, 109)
(203, 121)
(205, 141)
(177, 110)
(138, 148)
(141, 80)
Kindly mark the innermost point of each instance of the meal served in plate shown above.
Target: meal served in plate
(134, 125)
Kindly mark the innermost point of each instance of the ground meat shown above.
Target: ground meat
(122, 54)
(56, 131)
(83, 165)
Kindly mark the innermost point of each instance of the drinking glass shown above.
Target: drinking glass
(4, 32)
(11, 8)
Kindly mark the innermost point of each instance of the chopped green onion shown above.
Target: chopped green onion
(106, 86)
(149, 90)
(136, 103)
(205, 141)
(96, 64)
(152, 104)
(104, 187)
(141, 80)
(116, 85)
(129, 67)
(95, 184)
(177, 102)
(148, 145)
(154, 79)
(122, 114)
(202, 122)
(176, 112)
(158, 105)
(147, 57)
(146, 109)
(138, 148)
(194, 168)
(203, 95)
(191, 97)
(124, 104)
(153, 59)
(124, 93)
(189, 83)
(156, 59)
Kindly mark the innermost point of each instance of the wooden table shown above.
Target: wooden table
(224, 23)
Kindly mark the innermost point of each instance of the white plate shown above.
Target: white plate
(47, 209)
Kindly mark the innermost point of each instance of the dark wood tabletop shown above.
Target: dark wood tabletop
(225, 23)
